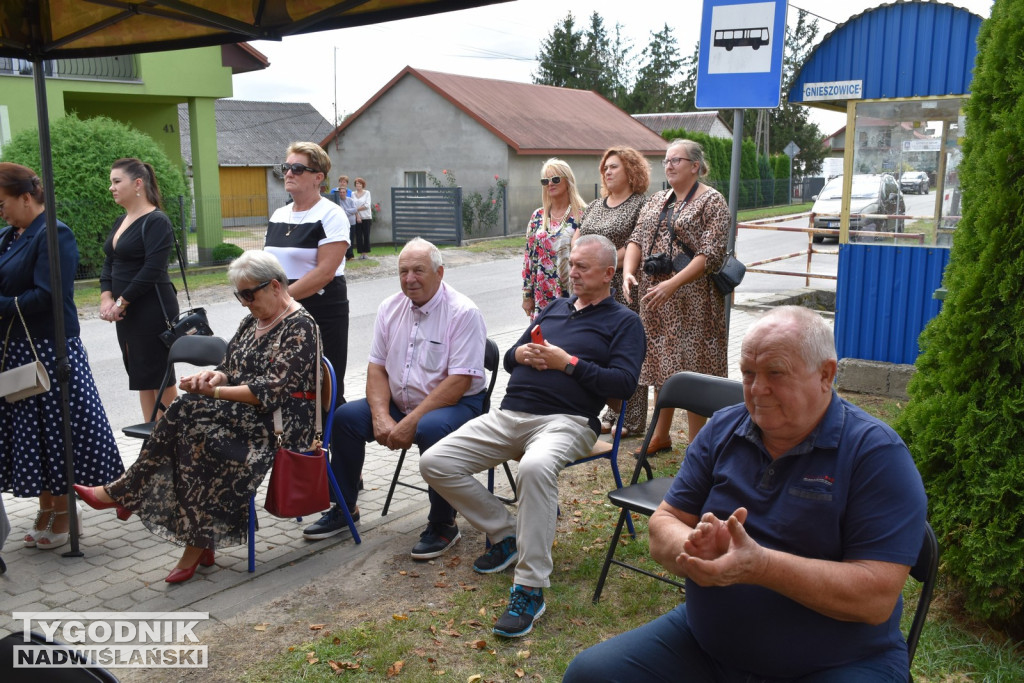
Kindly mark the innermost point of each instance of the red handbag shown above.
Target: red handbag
(298, 481)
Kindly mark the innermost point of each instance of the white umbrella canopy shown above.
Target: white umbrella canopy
(40, 30)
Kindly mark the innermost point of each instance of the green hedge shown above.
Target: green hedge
(965, 419)
(83, 151)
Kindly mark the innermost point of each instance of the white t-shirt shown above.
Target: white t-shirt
(294, 236)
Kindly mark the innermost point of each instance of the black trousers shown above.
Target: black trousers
(361, 230)
(330, 311)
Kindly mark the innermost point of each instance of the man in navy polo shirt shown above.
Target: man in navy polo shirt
(795, 518)
(592, 350)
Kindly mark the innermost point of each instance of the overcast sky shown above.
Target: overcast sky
(499, 41)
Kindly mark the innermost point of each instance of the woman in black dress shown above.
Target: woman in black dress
(134, 275)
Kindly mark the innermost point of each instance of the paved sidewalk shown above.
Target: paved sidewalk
(124, 565)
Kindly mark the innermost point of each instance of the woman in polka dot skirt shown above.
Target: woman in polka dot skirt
(31, 430)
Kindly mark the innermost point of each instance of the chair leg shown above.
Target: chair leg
(618, 485)
(333, 483)
(511, 483)
(252, 534)
(611, 553)
(394, 483)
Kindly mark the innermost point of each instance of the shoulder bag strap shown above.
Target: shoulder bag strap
(27, 335)
(181, 262)
(671, 228)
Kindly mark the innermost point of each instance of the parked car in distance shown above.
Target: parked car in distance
(869, 194)
(914, 181)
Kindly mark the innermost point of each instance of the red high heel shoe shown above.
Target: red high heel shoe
(85, 493)
(179, 575)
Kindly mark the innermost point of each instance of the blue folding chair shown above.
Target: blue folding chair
(603, 449)
(329, 399)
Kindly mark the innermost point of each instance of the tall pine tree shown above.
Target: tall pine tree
(657, 88)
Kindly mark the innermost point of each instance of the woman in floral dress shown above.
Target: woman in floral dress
(213, 446)
(682, 312)
(548, 235)
(625, 177)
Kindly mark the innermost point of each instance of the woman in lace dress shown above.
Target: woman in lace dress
(625, 177)
(213, 446)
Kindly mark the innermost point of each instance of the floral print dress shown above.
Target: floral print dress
(206, 457)
(546, 264)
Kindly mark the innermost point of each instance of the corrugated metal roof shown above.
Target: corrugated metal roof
(532, 119)
(257, 133)
(905, 49)
(691, 121)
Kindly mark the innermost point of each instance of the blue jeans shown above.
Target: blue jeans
(665, 650)
(353, 429)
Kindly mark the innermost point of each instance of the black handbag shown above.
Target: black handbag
(192, 320)
(730, 275)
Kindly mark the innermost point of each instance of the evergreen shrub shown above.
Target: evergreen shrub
(82, 151)
(965, 419)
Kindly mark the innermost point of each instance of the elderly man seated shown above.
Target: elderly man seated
(795, 518)
(592, 350)
(424, 379)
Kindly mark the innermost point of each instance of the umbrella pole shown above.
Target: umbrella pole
(56, 289)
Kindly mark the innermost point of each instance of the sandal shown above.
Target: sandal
(51, 539)
(654, 448)
(44, 520)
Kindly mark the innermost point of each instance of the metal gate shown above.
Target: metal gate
(433, 213)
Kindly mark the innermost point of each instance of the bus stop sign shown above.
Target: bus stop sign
(740, 59)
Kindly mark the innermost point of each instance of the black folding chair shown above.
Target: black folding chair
(701, 394)
(925, 570)
(192, 349)
(491, 363)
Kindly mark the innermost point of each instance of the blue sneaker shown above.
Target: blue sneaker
(499, 556)
(525, 605)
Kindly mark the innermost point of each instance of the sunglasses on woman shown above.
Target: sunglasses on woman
(555, 179)
(298, 169)
(249, 295)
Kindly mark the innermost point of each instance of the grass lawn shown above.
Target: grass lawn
(450, 637)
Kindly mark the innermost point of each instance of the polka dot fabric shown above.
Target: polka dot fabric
(32, 432)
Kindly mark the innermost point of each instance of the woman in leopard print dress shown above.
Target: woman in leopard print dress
(625, 177)
(682, 312)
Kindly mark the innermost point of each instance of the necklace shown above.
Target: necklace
(560, 218)
(274, 321)
(298, 221)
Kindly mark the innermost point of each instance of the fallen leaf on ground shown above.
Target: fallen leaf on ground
(475, 623)
(520, 673)
(260, 627)
(395, 669)
(478, 644)
(343, 666)
(399, 617)
(467, 586)
(440, 584)
(474, 678)
(523, 654)
(482, 611)
(311, 657)
(316, 627)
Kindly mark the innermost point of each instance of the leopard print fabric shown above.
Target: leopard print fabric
(688, 332)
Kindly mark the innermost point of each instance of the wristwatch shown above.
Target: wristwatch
(570, 367)
(120, 302)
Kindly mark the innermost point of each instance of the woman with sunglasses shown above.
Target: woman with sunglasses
(682, 311)
(625, 177)
(31, 437)
(135, 288)
(548, 234)
(194, 476)
(310, 237)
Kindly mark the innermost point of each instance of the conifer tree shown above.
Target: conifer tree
(965, 419)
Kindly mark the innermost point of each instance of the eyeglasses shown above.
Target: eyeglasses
(298, 169)
(674, 161)
(555, 179)
(249, 295)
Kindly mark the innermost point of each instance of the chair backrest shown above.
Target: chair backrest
(925, 570)
(492, 357)
(194, 349)
(701, 394)
(328, 398)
